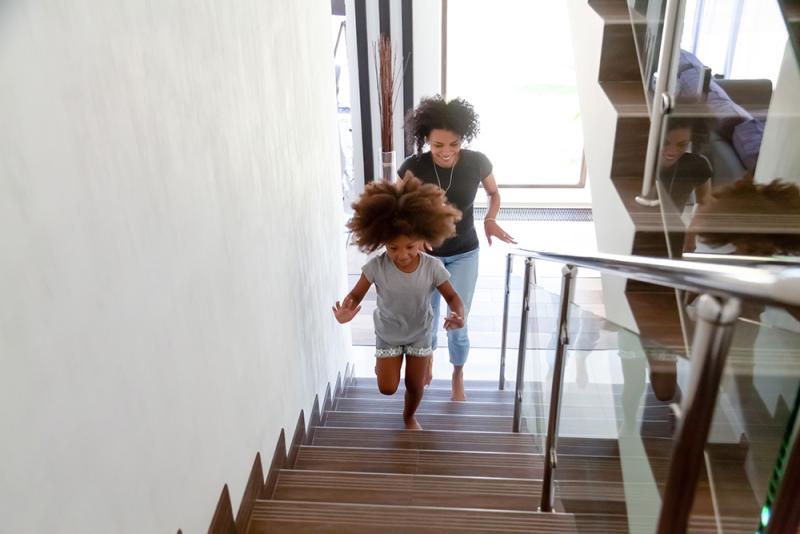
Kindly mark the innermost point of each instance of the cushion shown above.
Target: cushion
(725, 112)
(747, 141)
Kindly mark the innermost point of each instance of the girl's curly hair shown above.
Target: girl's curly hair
(757, 218)
(457, 116)
(386, 211)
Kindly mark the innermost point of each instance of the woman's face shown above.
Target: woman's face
(675, 145)
(445, 146)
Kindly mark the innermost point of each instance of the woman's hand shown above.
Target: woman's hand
(345, 312)
(453, 321)
(493, 229)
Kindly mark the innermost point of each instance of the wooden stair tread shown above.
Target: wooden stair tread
(569, 410)
(627, 97)
(477, 441)
(440, 490)
(288, 517)
(491, 385)
(573, 394)
(645, 218)
(597, 428)
(427, 439)
(465, 463)
(394, 404)
(430, 421)
(279, 516)
(407, 489)
(434, 393)
(611, 11)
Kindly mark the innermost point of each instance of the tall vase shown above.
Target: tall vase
(389, 166)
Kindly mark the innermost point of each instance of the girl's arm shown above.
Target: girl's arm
(456, 317)
(490, 225)
(349, 307)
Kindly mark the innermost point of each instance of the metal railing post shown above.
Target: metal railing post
(712, 340)
(662, 101)
(509, 261)
(550, 456)
(523, 341)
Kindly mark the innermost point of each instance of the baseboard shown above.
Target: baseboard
(298, 439)
(278, 462)
(252, 491)
(222, 522)
(313, 420)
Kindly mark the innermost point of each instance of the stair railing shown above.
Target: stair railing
(662, 96)
(721, 288)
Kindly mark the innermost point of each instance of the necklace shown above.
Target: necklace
(450, 181)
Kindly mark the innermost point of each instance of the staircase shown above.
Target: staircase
(354, 469)
(360, 471)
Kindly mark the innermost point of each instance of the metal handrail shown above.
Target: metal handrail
(722, 288)
(737, 259)
(769, 286)
(662, 96)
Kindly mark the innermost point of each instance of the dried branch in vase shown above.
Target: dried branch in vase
(389, 76)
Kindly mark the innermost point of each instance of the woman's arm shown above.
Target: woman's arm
(350, 305)
(490, 225)
(456, 317)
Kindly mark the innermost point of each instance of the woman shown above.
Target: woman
(445, 127)
(681, 174)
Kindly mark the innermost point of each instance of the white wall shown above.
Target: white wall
(172, 241)
(613, 225)
(779, 157)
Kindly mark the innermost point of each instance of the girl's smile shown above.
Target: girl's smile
(404, 252)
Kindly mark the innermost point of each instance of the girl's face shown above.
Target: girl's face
(445, 146)
(404, 252)
(676, 144)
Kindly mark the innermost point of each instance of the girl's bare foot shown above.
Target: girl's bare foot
(412, 423)
(458, 386)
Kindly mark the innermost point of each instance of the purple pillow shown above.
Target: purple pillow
(726, 113)
(747, 141)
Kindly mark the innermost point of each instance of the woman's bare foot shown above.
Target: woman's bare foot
(412, 423)
(458, 385)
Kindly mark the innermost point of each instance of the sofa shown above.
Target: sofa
(735, 112)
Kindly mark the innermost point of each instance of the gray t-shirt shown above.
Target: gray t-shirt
(403, 312)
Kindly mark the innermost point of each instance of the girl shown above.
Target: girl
(402, 217)
(445, 126)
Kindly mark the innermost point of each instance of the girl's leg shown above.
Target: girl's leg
(416, 373)
(388, 372)
(463, 270)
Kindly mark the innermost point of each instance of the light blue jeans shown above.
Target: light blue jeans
(463, 269)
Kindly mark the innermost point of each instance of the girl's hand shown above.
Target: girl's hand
(453, 321)
(493, 229)
(345, 312)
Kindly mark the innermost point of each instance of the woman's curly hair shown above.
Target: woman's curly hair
(386, 211)
(457, 116)
(757, 218)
